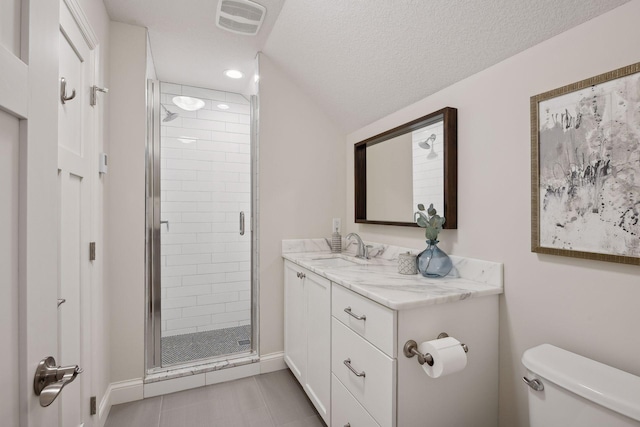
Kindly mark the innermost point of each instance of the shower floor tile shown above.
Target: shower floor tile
(204, 345)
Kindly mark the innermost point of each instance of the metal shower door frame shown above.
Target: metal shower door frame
(153, 300)
(153, 306)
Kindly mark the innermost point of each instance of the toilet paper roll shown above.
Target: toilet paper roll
(448, 356)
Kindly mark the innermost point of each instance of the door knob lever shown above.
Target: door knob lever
(94, 94)
(50, 379)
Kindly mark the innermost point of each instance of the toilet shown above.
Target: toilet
(569, 390)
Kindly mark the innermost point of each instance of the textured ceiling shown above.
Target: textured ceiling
(186, 44)
(359, 59)
(364, 59)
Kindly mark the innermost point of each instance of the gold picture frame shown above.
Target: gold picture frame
(585, 168)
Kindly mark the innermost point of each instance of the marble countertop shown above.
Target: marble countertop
(378, 278)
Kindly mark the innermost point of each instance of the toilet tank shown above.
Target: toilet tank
(579, 392)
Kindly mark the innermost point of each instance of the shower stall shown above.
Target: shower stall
(201, 299)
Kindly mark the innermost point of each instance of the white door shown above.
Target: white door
(9, 356)
(30, 212)
(28, 269)
(74, 165)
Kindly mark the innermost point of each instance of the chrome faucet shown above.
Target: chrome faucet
(362, 249)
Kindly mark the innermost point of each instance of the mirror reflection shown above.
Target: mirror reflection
(398, 169)
(404, 171)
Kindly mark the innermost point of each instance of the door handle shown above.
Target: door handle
(242, 223)
(94, 94)
(63, 91)
(50, 379)
(165, 222)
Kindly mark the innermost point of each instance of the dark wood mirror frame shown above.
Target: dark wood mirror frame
(450, 124)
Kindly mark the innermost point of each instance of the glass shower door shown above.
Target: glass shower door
(204, 214)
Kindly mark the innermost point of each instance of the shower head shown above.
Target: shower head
(425, 144)
(169, 115)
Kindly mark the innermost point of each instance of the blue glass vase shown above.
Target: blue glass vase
(433, 262)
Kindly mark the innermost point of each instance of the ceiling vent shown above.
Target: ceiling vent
(240, 16)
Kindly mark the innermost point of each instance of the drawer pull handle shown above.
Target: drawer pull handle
(357, 374)
(355, 316)
(301, 275)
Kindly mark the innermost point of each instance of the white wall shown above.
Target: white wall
(587, 307)
(301, 185)
(126, 199)
(205, 183)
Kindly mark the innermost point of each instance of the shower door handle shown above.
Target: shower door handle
(242, 223)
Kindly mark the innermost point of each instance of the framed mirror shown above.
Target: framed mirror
(410, 164)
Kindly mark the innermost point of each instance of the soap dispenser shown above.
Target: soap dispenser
(336, 238)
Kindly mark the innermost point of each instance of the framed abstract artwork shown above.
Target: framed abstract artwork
(585, 168)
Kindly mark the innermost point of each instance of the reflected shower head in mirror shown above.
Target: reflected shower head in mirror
(169, 115)
(432, 154)
(425, 144)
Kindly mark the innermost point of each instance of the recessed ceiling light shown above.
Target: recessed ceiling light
(223, 106)
(186, 140)
(188, 103)
(234, 74)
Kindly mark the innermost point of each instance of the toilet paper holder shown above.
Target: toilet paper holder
(411, 349)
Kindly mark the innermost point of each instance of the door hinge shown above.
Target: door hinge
(92, 251)
(92, 406)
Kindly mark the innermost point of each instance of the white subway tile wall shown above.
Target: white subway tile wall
(205, 184)
(428, 168)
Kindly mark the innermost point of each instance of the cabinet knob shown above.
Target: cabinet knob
(302, 275)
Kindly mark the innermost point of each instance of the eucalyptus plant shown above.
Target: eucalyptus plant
(431, 221)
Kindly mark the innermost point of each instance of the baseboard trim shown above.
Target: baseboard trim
(119, 392)
(272, 362)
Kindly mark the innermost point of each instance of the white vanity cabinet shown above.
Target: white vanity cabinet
(363, 359)
(383, 388)
(307, 333)
(344, 342)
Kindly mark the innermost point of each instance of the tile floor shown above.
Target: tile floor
(268, 400)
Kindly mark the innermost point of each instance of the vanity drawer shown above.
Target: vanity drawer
(372, 377)
(379, 326)
(345, 409)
